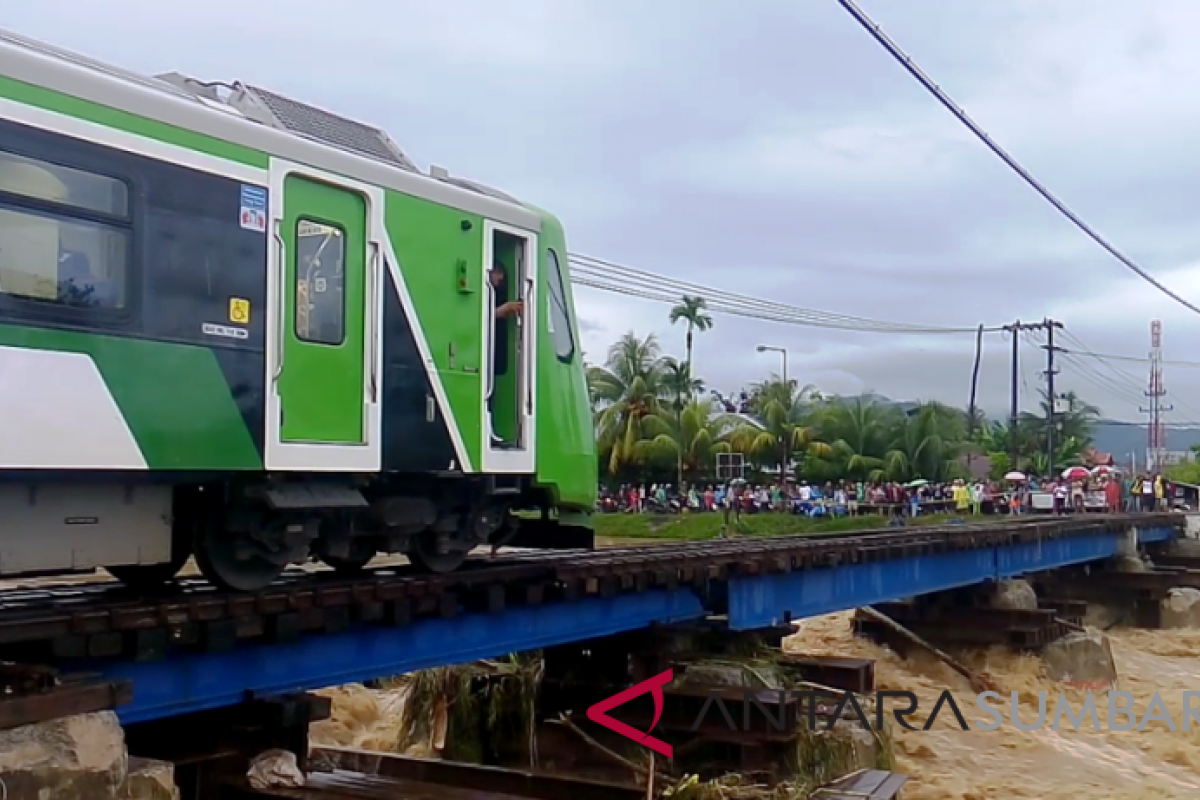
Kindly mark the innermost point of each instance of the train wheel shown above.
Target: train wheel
(427, 559)
(231, 566)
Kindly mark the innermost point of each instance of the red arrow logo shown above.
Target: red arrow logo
(599, 712)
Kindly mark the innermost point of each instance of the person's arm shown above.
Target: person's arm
(509, 309)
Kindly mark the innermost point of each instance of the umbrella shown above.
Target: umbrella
(1015, 476)
(1103, 470)
(917, 482)
(1075, 473)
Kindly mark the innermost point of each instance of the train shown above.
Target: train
(241, 328)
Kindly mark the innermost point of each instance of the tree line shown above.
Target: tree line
(655, 421)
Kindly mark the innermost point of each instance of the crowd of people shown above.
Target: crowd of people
(1100, 491)
(840, 498)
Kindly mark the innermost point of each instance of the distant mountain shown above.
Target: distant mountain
(1123, 438)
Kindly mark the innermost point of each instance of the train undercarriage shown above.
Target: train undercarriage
(244, 534)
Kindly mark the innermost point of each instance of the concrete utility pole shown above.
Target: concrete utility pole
(1050, 349)
(1015, 401)
(1014, 412)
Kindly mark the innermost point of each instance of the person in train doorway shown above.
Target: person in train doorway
(505, 310)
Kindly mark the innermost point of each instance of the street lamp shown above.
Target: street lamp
(762, 348)
(783, 465)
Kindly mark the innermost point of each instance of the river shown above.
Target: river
(947, 763)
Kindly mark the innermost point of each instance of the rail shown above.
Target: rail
(105, 620)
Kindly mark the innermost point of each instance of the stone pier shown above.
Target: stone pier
(79, 758)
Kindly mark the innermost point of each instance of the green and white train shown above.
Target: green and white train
(239, 327)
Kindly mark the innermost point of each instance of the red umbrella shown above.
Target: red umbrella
(1075, 474)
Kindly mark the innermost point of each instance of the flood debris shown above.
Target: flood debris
(480, 713)
(516, 711)
(978, 682)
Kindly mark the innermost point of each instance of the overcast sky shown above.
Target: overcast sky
(772, 148)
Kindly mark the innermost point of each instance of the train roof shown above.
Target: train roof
(257, 118)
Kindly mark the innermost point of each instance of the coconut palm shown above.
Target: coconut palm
(927, 444)
(624, 391)
(782, 409)
(861, 432)
(690, 439)
(1073, 425)
(677, 382)
(693, 311)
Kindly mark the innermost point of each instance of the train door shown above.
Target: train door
(323, 396)
(510, 378)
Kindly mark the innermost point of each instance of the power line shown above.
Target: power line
(610, 276)
(618, 277)
(1106, 377)
(905, 61)
(1134, 359)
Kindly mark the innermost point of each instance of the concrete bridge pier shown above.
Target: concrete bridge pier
(80, 757)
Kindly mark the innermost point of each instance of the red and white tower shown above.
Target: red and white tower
(1156, 431)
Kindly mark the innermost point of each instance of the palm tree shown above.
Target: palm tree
(861, 433)
(783, 411)
(678, 383)
(624, 391)
(1072, 435)
(927, 444)
(693, 311)
(691, 438)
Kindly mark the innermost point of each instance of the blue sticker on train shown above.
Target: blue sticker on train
(253, 212)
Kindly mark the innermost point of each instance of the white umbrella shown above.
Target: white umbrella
(1015, 476)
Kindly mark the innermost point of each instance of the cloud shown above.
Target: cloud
(779, 152)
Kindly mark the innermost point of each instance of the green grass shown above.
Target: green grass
(697, 527)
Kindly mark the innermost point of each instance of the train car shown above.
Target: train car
(239, 327)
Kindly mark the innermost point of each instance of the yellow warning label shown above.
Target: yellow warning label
(239, 311)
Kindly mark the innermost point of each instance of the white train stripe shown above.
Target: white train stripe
(57, 413)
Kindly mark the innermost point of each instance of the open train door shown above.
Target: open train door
(510, 271)
(324, 358)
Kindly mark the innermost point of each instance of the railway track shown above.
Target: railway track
(84, 621)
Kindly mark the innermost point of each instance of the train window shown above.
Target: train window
(64, 234)
(41, 180)
(320, 283)
(559, 319)
(75, 263)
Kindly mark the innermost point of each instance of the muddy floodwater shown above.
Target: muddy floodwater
(947, 763)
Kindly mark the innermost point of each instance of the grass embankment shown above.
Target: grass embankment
(697, 527)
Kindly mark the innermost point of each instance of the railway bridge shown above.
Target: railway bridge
(197, 648)
(206, 679)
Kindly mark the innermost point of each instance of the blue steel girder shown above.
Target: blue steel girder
(190, 682)
(196, 682)
(762, 601)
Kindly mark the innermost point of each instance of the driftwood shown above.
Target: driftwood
(977, 681)
(1071, 625)
(640, 770)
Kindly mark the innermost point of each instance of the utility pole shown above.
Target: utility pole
(1016, 329)
(974, 389)
(1015, 400)
(1050, 349)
